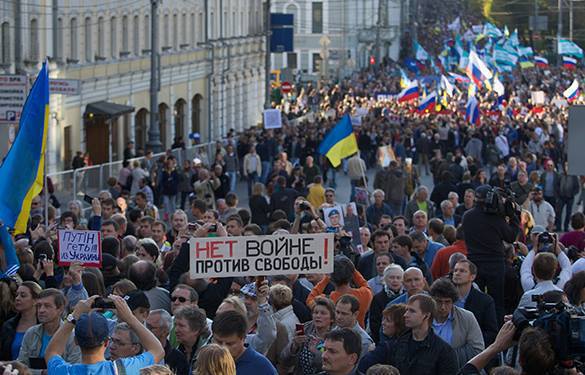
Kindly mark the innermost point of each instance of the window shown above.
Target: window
(147, 32)
(175, 32)
(114, 37)
(73, 39)
(87, 32)
(234, 23)
(136, 35)
(5, 41)
(166, 31)
(201, 28)
(59, 48)
(34, 40)
(184, 39)
(101, 46)
(225, 23)
(125, 41)
(291, 60)
(317, 61)
(317, 25)
(193, 32)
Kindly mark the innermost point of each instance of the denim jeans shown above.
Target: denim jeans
(233, 180)
(266, 168)
(169, 206)
(252, 179)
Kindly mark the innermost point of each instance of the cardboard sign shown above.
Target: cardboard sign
(84, 246)
(272, 119)
(538, 97)
(261, 255)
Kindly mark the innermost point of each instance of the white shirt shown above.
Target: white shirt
(540, 288)
(543, 214)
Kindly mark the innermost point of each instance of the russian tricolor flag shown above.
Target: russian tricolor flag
(569, 62)
(428, 103)
(409, 93)
(572, 92)
(472, 111)
(477, 70)
(541, 62)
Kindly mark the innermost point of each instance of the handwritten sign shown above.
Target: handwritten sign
(261, 255)
(83, 246)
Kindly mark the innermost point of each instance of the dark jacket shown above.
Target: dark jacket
(169, 182)
(300, 294)
(379, 303)
(483, 307)
(259, 209)
(176, 360)
(212, 296)
(7, 336)
(484, 234)
(432, 356)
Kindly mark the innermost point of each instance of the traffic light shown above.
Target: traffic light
(372, 60)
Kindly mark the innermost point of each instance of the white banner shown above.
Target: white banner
(261, 255)
(83, 246)
(13, 91)
(64, 86)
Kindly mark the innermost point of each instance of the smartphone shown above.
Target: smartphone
(88, 199)
(192, 226)
(103, 303)
(43, 257)
(300, 329)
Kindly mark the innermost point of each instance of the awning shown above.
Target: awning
(106, 110)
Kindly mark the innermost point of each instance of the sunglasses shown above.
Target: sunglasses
(181, 299)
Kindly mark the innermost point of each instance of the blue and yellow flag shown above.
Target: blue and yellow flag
(21, 173)
(340, 142)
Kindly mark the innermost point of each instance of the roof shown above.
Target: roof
(107, 110)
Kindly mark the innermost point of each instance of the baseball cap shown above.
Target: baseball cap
(538, 229)
(249, 290)
(136, 299)
(91, 330)
(537, 188)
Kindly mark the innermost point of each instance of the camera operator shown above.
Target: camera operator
(536, 354)
(544, 242)
(493, 220)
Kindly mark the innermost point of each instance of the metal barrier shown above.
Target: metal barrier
(74, 183)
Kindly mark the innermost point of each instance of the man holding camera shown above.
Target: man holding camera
(92, 336)
(486, 228)
(544, 242)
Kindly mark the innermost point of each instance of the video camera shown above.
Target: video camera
(546, 242)
(564, 324)
(497, 201)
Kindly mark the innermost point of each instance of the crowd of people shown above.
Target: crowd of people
(426, 278)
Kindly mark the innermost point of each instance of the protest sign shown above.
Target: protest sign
(538, 97)
(261, 255)
(84, 246)
(272, 119)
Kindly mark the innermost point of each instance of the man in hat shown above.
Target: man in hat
(334, 218)
(92, 336)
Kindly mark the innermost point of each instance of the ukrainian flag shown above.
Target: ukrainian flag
(340, 142)
(21, 172)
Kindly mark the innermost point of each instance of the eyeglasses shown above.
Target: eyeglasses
(181, 299)
(120, 343)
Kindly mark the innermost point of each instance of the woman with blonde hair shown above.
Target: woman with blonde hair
(215, 360)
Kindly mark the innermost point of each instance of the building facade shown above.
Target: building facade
(336, 37)
(211, 69)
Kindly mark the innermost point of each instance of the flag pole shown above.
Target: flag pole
(45, 177)
(363, 172)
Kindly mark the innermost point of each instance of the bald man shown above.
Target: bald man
(414, 283)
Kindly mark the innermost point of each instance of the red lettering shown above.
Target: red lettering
(215, 246)
(199, 249)
(231, 245)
